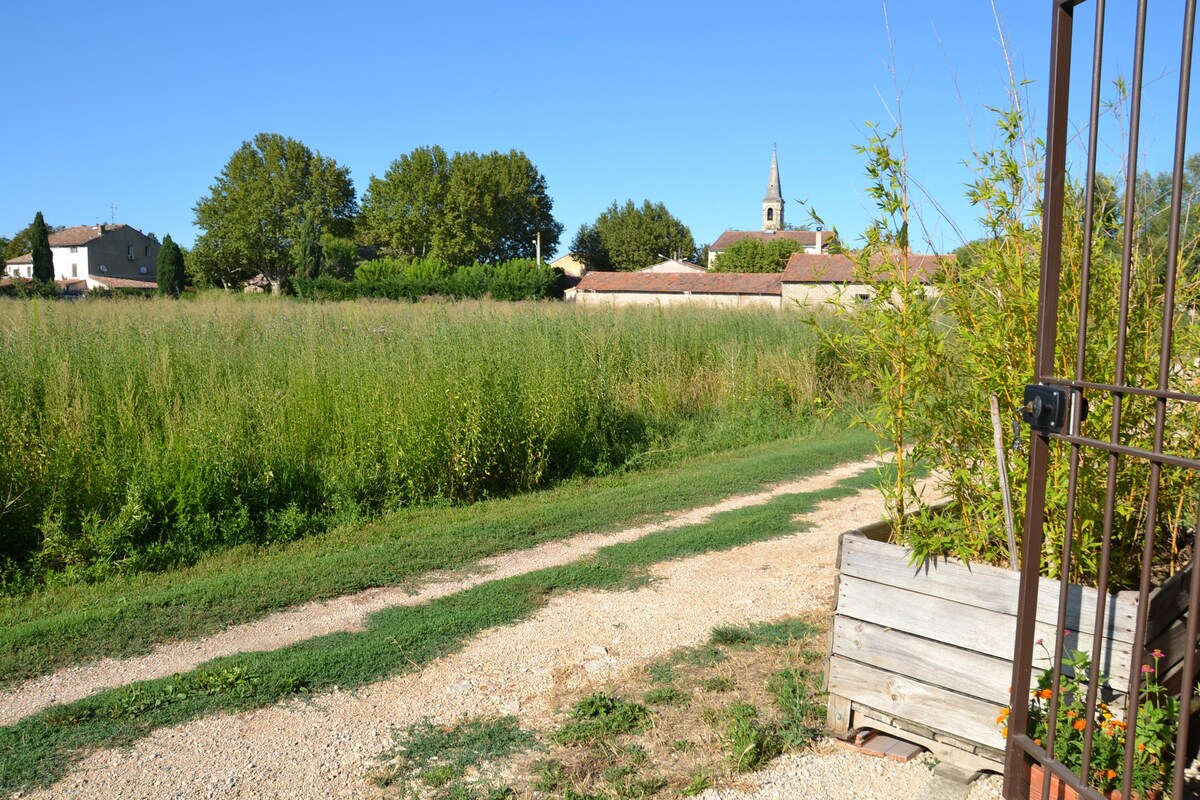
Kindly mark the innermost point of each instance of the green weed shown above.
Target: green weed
(749, 743)
(599, 716)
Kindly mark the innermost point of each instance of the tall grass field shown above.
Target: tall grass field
(140, 434)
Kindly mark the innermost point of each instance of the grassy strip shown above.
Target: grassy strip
(40, 749)
(128, 615)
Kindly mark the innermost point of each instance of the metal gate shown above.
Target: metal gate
(1056, 409)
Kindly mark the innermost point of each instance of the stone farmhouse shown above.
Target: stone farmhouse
(98, 257)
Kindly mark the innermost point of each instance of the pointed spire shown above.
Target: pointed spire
(773, 190)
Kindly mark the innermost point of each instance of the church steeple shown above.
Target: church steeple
(772, 206)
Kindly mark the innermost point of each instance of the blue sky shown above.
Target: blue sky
(139, 105)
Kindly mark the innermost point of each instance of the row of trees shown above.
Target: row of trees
(280, 208)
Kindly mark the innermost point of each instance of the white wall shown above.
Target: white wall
(64, 258)
(664, 299)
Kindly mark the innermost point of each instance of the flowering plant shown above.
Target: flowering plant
(1157, 718)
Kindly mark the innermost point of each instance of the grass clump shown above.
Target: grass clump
(718, 683)
(766, 633)
(798, 698)
(600, 716)
(665, 696)
(437, 756)
(749, 742)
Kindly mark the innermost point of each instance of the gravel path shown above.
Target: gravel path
(325, 746)
(348, 613)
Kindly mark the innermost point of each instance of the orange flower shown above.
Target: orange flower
(1112, 773)
(1141, 746)
(1080, 724)
(1045, 694)
(1071, 714)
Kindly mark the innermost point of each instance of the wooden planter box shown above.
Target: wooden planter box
(925, 652)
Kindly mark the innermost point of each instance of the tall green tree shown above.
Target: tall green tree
(306, 250)
(402, 210)
(755, 255)
(630, 237)
(43, 257)
(339, 256)
(171, 275)
(255, 210)
(468, 208)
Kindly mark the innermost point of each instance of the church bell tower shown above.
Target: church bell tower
(772, 205)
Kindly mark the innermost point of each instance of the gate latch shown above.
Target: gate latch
(1045, 408)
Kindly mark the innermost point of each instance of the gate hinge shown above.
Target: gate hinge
(1045, 408)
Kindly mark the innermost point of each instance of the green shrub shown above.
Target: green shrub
(935, 354)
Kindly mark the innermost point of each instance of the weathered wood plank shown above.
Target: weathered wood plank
(985, 586)
(978, 675)
(965, 717)
(838, 715)
(959, 624)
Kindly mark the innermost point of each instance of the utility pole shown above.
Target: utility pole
(539, 248)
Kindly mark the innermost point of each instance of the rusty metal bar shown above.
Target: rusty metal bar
(1135, 124)
(1189, 653)
(1165, 459)
(1164, 369)
(1165, 394)
(1062, 19)
(1077, 398)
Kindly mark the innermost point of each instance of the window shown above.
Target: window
(74, 270)
(74, 249)
(770, 214)
(147, 251)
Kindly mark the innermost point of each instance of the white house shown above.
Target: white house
(105, 256)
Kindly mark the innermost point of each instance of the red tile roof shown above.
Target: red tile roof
(682, 283)
(81, 234)
(71, 237)
(124, 283)
(69, 285)
(806, 238)
(838, 268)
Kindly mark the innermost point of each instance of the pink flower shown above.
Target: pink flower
(1157, 654)
(1147, 668)
(1038, 642)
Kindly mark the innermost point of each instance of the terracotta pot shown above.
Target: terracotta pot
(1060, 791)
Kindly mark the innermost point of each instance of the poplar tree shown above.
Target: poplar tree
(171, 276)
(43, 258)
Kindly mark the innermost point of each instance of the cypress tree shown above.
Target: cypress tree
(43, 258)
(170, 268)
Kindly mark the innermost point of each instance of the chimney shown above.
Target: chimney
(100, 227)
(818, 240)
